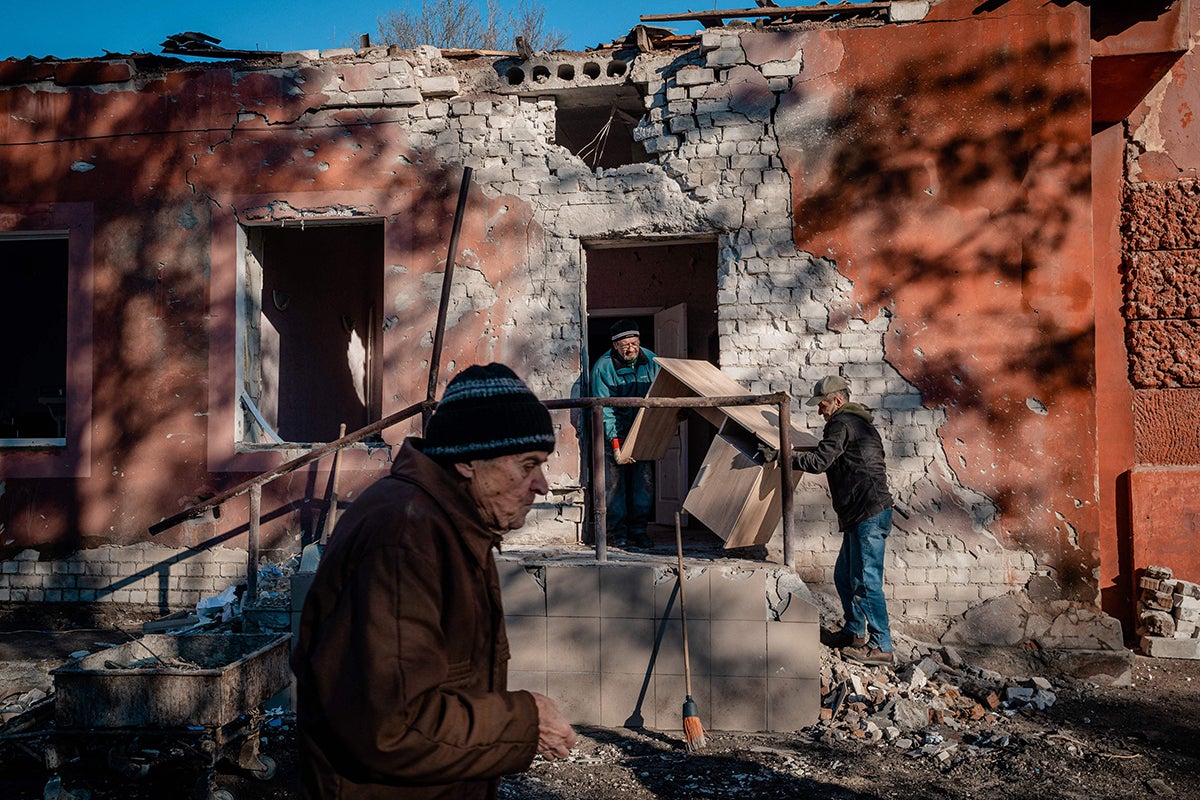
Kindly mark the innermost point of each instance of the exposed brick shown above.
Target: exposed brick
(1162, 216)
(25, 71)
(83, 73)
(1166, 425)
(694, 76)
(1163, 285)
(1164, 353)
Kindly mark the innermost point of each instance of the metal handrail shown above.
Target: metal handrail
(254, 485)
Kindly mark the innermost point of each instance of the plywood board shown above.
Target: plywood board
(706, 380)
(735, 496)
(650, 435)
(718, 494)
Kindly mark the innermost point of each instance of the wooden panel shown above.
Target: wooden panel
(650, 435)
(703, 378)
(706, 380)
(718, 495)
(738, 498)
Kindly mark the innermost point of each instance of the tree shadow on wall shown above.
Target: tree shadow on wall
(957, 195)
(161, 165)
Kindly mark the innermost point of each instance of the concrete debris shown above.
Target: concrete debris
(1159, 787)
(1168, 615)
(1015, 618)
(926, 707)
(274, 584)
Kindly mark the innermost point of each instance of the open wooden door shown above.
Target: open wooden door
(671, 482)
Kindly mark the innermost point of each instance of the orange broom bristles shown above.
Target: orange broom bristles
(693, 731)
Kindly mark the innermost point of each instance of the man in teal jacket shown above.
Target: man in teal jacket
(627, 370)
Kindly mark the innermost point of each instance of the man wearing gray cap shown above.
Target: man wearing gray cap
(851, 456)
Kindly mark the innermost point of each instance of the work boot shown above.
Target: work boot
(641, 541)
(840, 639)
(871, 656)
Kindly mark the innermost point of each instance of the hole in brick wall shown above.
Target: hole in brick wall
(598, 127)
(566, 72)
(616, 68)
(540, 74)
(515, 76)
(592, 70)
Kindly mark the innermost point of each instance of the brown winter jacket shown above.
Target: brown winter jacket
(401, 662)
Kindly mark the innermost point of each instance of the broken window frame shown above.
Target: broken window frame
(253, 430)
(69, 457)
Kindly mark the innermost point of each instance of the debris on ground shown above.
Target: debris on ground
(935, 706)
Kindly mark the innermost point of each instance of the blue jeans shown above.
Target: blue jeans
(629, 496)
(858, 576)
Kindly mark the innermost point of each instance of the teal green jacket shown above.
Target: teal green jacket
(612, 378)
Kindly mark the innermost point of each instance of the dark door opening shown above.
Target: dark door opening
(313, 315)
(33, 326)
(670, 290)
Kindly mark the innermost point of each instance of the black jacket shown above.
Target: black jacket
(851, 456)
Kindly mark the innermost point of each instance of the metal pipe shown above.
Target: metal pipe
(439, 333)
(785, 477)
(252, 544)
(669, 402)
(599, 487)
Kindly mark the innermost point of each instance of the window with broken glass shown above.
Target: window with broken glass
(310, 318)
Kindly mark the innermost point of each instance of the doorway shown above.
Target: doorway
(670, 290)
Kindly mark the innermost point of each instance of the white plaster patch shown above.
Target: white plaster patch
(1036, 406)
(1149, 134)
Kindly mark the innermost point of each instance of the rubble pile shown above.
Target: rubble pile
(936, 706)
(274, 583)
(1168, 615)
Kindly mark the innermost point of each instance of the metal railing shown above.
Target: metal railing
(254, 485)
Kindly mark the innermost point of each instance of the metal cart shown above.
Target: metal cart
(191, 700)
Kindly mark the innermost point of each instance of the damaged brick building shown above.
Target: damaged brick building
(981, 213)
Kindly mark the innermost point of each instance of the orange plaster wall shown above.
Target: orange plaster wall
(945, 168)
(1114, 394)
(1166, 517)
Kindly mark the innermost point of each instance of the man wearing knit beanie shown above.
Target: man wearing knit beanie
(627, 370)
(402, 660)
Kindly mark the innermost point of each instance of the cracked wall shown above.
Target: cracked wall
(904, 204)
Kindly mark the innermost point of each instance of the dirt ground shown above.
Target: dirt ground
(1093, 742)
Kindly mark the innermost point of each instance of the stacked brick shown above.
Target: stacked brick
(1168, 615)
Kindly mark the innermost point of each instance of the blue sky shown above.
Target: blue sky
(74, 29)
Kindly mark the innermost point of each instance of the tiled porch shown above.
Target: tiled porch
(604, 640)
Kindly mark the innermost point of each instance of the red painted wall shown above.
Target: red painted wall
(162, 178)
(945, 169)
(1161, 265)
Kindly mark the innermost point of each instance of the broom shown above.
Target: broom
(693, 731)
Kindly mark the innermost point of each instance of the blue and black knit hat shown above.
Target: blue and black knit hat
(487, 412)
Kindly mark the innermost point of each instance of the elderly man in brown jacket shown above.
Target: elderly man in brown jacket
(401, 663)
